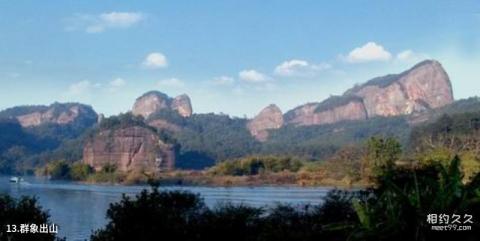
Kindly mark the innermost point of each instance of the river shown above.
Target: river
(78, 209)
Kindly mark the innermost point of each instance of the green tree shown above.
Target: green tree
(253, 165)
(151, 215)
(109, 168)
(22, 211)
(59, 170)
(381, 154)
(398, 207)
(345, 164)
(80, 171)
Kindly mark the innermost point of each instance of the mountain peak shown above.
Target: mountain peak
(269, 118)
(182, 105)
(386, 80)
(424, 86)
(153, 93)
(154, 101)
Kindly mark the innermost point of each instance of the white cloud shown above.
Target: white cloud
(404, 55)
(252, 76)
(297, 67)
(118, 82)
(101, 22)
(82, 91)
(411, 56)
(79, 88)
(171, 82)
(85, 89)
(223, 80)
(121, 19)
(155, 60)
(371, 51)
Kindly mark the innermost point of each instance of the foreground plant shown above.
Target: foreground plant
(399, 207)
(24, 210)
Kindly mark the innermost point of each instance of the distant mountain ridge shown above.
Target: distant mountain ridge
(423, 87)
(56, 113)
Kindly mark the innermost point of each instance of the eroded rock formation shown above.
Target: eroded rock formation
(423, 87)
(334, 109)
(269, 118)
(154, 101)
(57, 113)
(182, 105)
(133, 148)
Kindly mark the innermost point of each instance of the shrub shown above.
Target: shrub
(397, 209)
(381, 155)
(22, 211)
(150, 215)
(256, 165)
(80, 171)
(58, 170)
(109, 168)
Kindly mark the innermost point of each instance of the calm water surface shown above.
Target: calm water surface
(79, 208)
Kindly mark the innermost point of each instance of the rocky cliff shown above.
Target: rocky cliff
(134, 148)
(423, 87)
(57, 113)
(154, 101)
(181, 104)
(269, 118)
(333, 109)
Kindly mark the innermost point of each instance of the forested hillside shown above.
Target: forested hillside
(34, 135)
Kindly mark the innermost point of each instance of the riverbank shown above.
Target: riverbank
(247, 171)
(205, 178)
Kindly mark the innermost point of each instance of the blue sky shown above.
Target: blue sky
(234, 57)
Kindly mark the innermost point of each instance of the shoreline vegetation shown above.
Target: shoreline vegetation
(351, 166)
(201, 178)
(341, 171)
(206, 178)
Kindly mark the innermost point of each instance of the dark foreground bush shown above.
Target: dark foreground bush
(399, 207)
(174, 215)
(396, 209)
(22, 211)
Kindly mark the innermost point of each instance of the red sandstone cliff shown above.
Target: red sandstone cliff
(131, 148)
(425, 86)
(154, 101)
(57, 113)
(269, 118)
